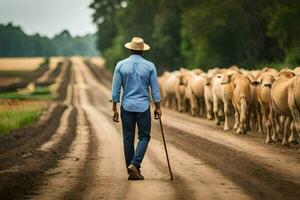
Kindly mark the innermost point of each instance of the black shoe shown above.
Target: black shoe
(134, 173)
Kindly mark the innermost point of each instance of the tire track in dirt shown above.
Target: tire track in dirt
(105, 174)
(34, 165)
(257, 180)
(66, 175)
(199, 179)
(288, 166)
(23, 141)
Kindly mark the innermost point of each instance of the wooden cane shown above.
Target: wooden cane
(165, 145)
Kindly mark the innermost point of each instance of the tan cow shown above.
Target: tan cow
(171, 89)
(241, 101)
(217, 98)
(255, 120)
(227, 93)
(195, 94)
(175, 88)
(265, 82)
(285, 98)
(162, 86)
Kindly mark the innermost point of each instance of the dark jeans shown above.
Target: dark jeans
(129, 121)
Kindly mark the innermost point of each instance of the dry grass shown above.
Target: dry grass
(12, 104)
(20, 64)
(4, 81)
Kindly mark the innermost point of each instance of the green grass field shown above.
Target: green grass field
(13, 119)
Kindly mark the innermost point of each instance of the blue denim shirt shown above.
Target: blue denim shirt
(135, 74)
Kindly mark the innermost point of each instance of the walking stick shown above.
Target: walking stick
(165, 145)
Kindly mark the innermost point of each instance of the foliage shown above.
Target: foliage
(285, 27)
(15, 43)
(206, 33)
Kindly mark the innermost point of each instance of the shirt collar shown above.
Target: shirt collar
(135, 56)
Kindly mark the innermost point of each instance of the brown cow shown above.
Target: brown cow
(285, 102)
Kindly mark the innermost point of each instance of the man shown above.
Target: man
(135, 75)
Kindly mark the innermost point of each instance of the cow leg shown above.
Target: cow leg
(269, 133)
(167, 101)
(226, 113)
(294, 135)
(186, 105)
(216, 110)
(270, 122)
(259, 120)
(201, 106)
(280, 121)
(193, 105)
(175, 102)
(296, 117)
(266, 110)
(242, 116)
(237, 118)
(221, 110)
(286, 131)
(179, 102)
(208, 109)
(249, 123)
(278, 127)
(239, 125)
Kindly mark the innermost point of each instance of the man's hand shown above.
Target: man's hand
(115, 116)
(157, 113)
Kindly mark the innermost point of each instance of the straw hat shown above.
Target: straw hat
(137, 44)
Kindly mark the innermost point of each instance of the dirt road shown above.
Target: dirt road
(207, 162)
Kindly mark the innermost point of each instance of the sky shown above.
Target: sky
(48, 17)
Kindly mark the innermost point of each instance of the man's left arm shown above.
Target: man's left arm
(155, 93)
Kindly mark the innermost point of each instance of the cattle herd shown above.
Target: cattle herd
(264, 100)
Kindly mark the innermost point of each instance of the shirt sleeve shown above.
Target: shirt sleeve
(117, 83)
(154, 86)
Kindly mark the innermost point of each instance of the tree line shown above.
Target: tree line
(14, 42)
(206, 33)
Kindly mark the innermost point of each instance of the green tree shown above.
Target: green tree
(284, 26)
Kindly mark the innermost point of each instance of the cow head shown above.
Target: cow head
(229, 76)
(208, 80)
(267, 80)
(287, 73)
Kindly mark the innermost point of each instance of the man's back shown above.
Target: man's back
(135, 74)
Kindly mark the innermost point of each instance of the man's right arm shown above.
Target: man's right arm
(116, 90)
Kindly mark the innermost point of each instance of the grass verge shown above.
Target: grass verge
(40, 93)
(16, 119)
(19, 115)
